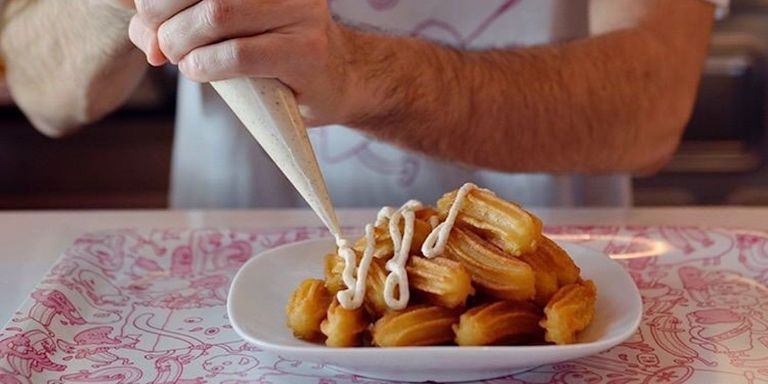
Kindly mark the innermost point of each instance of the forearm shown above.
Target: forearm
(68, 62)
(593, 105)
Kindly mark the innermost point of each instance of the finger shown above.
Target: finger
(155, 12)
(146, 40)
(260, 56)
(209, 22)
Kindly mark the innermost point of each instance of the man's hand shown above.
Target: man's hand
(296, 41)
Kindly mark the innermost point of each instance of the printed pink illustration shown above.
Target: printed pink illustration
(52, 303)
(721, 331)
(95, 344)
(29, 353)
(119, 375)
(149, 307)
(98, 289)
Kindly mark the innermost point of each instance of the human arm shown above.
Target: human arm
(68, 62)
(617, 101)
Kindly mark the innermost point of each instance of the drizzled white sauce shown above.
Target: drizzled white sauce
(396, 288)
(354, 276)
(434, 244)
(353, 296)
(384, 214)
(401, 243)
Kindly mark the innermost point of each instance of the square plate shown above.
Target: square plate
(261, 289)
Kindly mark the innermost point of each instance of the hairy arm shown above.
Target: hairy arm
(617, 101)
(68, 62)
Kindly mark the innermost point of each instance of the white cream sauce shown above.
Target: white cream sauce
(354, 276)
(396, 288)
(401, 243)
(434, 245)
(353, 296)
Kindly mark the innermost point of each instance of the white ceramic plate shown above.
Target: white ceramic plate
(260, 291)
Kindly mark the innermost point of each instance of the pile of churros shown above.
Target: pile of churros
(479, 272)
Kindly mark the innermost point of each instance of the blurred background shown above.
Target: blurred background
(124, 160)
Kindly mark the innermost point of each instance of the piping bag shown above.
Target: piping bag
(269, 111)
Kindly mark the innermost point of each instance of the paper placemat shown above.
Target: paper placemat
(148, 306)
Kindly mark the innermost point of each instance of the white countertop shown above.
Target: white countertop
(31, 242)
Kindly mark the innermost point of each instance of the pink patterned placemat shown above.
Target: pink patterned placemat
(148, 306)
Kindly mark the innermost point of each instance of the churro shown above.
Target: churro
(441, 281)
(505, 224)
(493, 272)
(343, 327)
(415, 326)
(503, 322)
(569, 311)
(307, 308)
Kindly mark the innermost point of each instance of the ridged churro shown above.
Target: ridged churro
(441, 281)
(545, 277)
(415, 326)
(502, 322)
(374, 289)
(343, 327)
(505, 224)
(561, 263)
(307, 308)
(569, 311)
(493, 272)
(552, 267)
